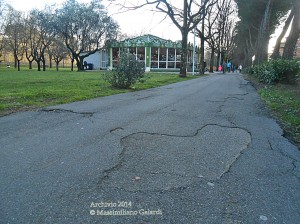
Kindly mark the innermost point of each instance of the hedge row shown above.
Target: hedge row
(275, 71)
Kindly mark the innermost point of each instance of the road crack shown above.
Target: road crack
(88, 114)
(233, 97)
(177, 159)
(294, 171)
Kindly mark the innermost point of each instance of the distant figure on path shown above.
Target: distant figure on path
(240, 68)
(224, 67)
(229, 66)
(220, 68)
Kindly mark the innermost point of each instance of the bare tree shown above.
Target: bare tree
(31, 38)
(6, 11)
(15, 35)
(58, 51)
(1, 46)
(226, 28)
(203, 38)
(72, 59)
(216, 31)
(1, 7)
(44, 33)
(1, 16)
(212, 33)
(185, 17)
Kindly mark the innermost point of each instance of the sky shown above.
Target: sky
(26, 5)
(133, 23)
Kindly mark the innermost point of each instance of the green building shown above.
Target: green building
(155, 52)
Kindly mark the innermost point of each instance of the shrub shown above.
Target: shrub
(287, 70)
(249, 70)
(128, 72)
(265, 73)
(280, 70)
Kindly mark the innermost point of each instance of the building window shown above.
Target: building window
(115, 56)
(171, 54)
(178, 58)
(133, 51)
(141, 54)
(171, 58)
(171, 64)
(154, 57)
(163, 58)
(158, 56)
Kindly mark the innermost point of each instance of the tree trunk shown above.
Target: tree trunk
(261, 53)
(291, 40)
(184, 34)
(18, 62)
(219, 58)
(72, 65)
(16, 58)
(50, 60)
(276, 53)
(30, 59)
(184, 53)
(44, 64)
(57, 63)
(202, 69)
(212, 59)
(249, 52)
(81, 63)
(30, 64)
(248, 59)
(77, 59)
(39, 65)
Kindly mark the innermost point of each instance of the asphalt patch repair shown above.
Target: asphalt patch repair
(151, 161)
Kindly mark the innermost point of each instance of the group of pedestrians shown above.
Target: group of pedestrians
(229, 67)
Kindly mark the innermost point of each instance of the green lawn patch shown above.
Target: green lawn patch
(31, 89)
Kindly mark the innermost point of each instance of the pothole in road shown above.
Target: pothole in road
(161, 162)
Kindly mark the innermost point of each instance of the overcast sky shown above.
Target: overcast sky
(137, 22)
(133, 23)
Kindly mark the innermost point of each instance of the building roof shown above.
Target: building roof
(147, 40)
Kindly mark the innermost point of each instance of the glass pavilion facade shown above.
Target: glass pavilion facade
(155, 52)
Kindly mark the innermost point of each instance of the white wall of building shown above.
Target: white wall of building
(94, 59)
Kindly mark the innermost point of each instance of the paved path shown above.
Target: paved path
(200, 151)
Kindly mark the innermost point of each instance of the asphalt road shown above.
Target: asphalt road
(200, 151)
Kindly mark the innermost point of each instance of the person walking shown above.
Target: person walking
(229, 66)
(220, 68)
(240, 68)
(224, 67)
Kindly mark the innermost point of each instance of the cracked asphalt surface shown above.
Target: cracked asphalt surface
(200, 151)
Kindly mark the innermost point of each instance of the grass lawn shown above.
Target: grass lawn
(30, 89)
(284, 101)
